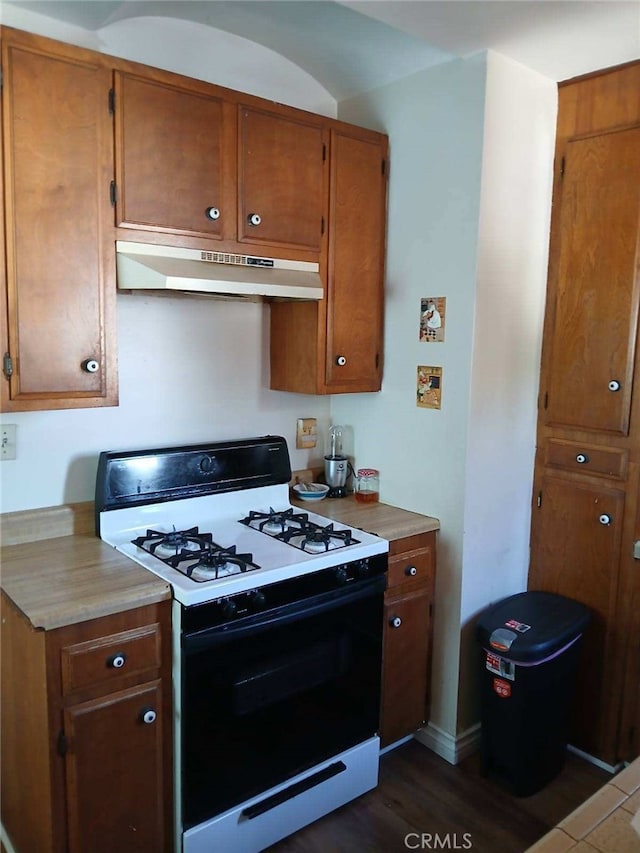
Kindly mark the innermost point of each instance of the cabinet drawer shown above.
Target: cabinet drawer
(587, 459)
(411, 567)
(104, 660)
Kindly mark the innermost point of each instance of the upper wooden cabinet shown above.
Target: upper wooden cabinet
(592, 333)
(174, 158)
(58, 298)
(281, 179)
(335, 346)
(192, 160)
(98, 149)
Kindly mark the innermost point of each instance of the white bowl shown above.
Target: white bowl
(317, 492)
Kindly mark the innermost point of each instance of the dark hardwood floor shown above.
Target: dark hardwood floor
(418, 792)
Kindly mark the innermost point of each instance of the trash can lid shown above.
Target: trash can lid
(530, 626)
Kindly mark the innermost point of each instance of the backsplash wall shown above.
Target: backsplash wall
(190, 369)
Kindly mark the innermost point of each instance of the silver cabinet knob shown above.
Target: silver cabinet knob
(582, 458)
(90, 365)
(149, 716)
(411, 571)
(614, 385)
(395, 621)
(254, 219)
(212, 213)
(117, 661)
(341, 361)
(605, 518)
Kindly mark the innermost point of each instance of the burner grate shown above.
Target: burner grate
(174, 540)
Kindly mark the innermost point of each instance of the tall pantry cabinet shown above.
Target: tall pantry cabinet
(586, 507)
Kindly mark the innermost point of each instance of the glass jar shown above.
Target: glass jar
(367, 485)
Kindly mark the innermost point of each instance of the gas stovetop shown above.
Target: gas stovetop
(212, 544)
(233, 556)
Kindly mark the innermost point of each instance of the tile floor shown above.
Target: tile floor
(608, 822)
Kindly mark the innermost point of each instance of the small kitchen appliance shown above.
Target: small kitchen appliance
(277, 636)
(336, 464)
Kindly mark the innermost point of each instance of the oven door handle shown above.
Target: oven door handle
(293, 612)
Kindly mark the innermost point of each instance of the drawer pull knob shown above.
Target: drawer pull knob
(395, 621)
(341, 360)
(90, 365)
(117, 661)
(582, 458)
(605, 519)
(149, 716)
(212, 213)
(411, 571)
(614, 385)
(254, 219)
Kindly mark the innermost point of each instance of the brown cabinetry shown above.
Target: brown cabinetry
(587, 473)
(58, 299)
(192, 165)
(407, 636)
(335, 346)
(174, 158)
(281, 178)
(87, 733)
(194, 161)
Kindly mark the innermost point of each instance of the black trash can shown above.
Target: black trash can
(531, 645)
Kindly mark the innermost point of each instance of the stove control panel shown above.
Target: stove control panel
(283, 594)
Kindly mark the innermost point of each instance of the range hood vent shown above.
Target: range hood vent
(144, 266)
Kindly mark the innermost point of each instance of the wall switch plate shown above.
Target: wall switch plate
(8, 441)
(306, 435)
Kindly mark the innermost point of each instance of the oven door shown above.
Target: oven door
(267, 697)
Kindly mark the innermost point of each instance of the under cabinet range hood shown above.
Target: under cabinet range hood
(144, 266)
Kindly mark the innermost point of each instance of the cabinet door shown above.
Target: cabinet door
(597, 289)
(114, 772)
(356, 263)
(173, 160)
(60, 268)
(575, 551)
(405, 665)
(281, 165)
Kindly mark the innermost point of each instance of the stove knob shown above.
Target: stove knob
(341, 575)
(228, 608)
(258, 600)
(362, 568)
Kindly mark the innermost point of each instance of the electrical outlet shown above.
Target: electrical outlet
(8, 441)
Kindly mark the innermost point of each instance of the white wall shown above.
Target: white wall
(435, 123)
(515, 210)
(190, 369)
(469, 207)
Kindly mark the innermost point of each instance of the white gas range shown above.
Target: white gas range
(277, 636)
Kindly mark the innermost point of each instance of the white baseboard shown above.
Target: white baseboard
(592, 760)
(8, 846)
(452, 749)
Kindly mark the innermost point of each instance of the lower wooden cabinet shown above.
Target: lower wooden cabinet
(407, 637)
(87, 733)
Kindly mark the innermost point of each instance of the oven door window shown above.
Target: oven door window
(261, 706)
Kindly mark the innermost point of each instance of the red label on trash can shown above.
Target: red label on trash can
(502, 687)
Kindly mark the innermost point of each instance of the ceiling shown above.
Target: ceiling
(351, 47)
